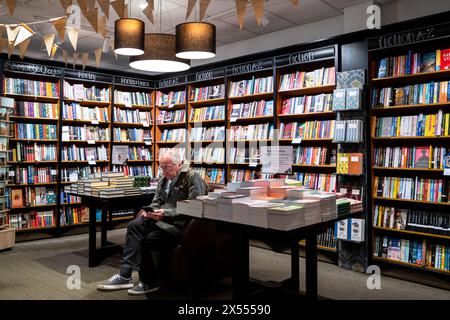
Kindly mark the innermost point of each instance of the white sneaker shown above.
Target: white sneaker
(142, 288)
(116, 282)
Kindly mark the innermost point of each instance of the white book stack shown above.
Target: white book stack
(328, 204)
(193, 207)
(313, 210)
(225, 206)
(233, 186)
(286, 217)
(241, 209)
(258, 213)
(253, 192)
(210, 208)
(297, 193)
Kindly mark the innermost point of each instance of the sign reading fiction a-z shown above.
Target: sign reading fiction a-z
(305, 56)
(249, 67)
(32, 68)
(166, 83)
(87, 76)
(206, 75)
(410, 37)
(134, 82)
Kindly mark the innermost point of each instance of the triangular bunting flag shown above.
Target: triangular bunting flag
(91, 4)
(60, 26)
(48, 41)
(65, 56)
(241, 7)
(203, 6)
(148, 12)
(92, 17)
(23, 46)
(191, 5)
(258, 8)
(85, 59)
(11, 6)
(66, 4)
(102, 26)
(75, 58)
(73, 36)
(151, 4)
(104, 5)
(84, 6)
(98, 56)
(106, 44)
(24, 33)
(119, 7)
(54, 49)
(12, 33)
(3, 44)
(10, 49)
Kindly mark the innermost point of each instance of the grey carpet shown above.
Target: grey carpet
(37, 270)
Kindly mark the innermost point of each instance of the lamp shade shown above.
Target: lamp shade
(159, 55)
(129, 37)
(195, 40)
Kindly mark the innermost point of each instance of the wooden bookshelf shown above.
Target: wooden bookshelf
(408, 232)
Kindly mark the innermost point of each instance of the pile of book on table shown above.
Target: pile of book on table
(274, 203)
(105, 185)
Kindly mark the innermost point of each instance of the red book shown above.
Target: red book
(445, 59)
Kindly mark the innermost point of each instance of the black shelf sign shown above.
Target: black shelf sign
(409, 37)
(30, 68)
(166, 83)
(305, 57)
(206, 75)
(87, 76)
(249, 67)
(133, 82)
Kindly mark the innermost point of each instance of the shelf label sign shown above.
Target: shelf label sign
(171, 82)
(297, 141)
(87, 76)
(133, 82)
(145, 124)
(91, 141)
(276, 159)
(32, 68)
(305, 56)
(207, 75)
(92, 162)
(250, 67)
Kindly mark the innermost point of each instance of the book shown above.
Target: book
(353, 99)
(339, 98)
(342, 163)
(355, 164)
(445, 59)
(422, 157)
(428, 62)
(351, 79)
(382, 68)
(17, 200)
(400, 96)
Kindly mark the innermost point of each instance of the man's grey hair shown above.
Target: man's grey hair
(173, 155)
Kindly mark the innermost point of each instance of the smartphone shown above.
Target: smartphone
(148, 209)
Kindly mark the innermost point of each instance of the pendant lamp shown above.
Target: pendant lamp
(195, 40)
(129, 37)
(159, 55)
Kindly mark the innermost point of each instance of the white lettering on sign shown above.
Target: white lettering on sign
(405, 38)
(301, 57)
(204, 75)
(249, 67)
(86, 75)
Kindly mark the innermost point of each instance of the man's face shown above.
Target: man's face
(169, 169)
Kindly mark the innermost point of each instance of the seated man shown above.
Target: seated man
(156, 227)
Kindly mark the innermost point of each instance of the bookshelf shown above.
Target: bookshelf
(206, 124)
(409, 146)
(133, 126)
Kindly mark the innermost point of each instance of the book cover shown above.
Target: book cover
(400, 96)
(445, 59)
(41, 195)
(355, 163)
(342, 163)
(338, 99)
(353, 99)
(428, 62)
(422, 157)
(17, 200)
(351, 79)
(382, 69)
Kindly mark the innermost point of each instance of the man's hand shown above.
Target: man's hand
(157, 215)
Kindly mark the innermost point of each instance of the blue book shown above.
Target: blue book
(382, 69)
(428, 62)
(408, 62)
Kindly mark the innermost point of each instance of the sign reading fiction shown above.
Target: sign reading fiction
(171, 82)
(134, 82)
(410, 37)
(32, 68)
(305, 56)
(207, 75)
(87, 76)
(250, 67)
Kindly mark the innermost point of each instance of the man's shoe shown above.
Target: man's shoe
(116, 282)
(142, 288)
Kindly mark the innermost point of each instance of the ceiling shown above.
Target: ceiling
(279, 14)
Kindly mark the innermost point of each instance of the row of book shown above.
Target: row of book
(208, 113)
(327, 239)
(75, 173)
(90, 133)
(314, 155)
(132, 134)
(251, 132)
(132, 98)
(32, 196)
(32, 219)
(414, 62)
(317, 181)
(73, 215)
(207, 134)
(417, 252)
(347, 99)
(411, 220)
(317, 129)
(238, 175)
(133, 171)
(133, 116)
(307, 79)
(251, 109)
(429, 125)
(206, 93)
(171, 98)
(307, 104)
(212, 175)
(165, 116)
(73, 111)
(251, 86)
(181, 152)
(410, 188)
(348, 131)
(173, 135)
(31, 87)
(424, 93)
(32, 175)
(427, 157)
(80, 92)
(208, 155)
(33, 152)
(77, 153)
(36, 110)
(139, 153)
(35, 131)
(65, 198)
(244, 155)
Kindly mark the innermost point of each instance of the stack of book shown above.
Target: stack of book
(286, 217)
(225, 205)
(328, 204)
(258, 213)
(342, 207)
(312, 211)
(193, 207)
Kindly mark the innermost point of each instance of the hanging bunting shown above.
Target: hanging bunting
(54, 49)
(85, 59)
(3, 44)
(148, 12)
(241, 7)
(23, 46)
(75, 58)
(91, 5)
(258, 8)
(48, 41)
(104, 5)
(125, 12)
(60, 26)
(65, 56)
(191, 5)
(10, 49)
(12, 33)
(119, 7)
(25, 33)
(73, 36)
(98, 56)
(102, 26)
(66, 4)
(151, 4)
(11, 6)
(106, 44)
(92, 17)
(83, 5)
(203, 6)
(111, 45)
